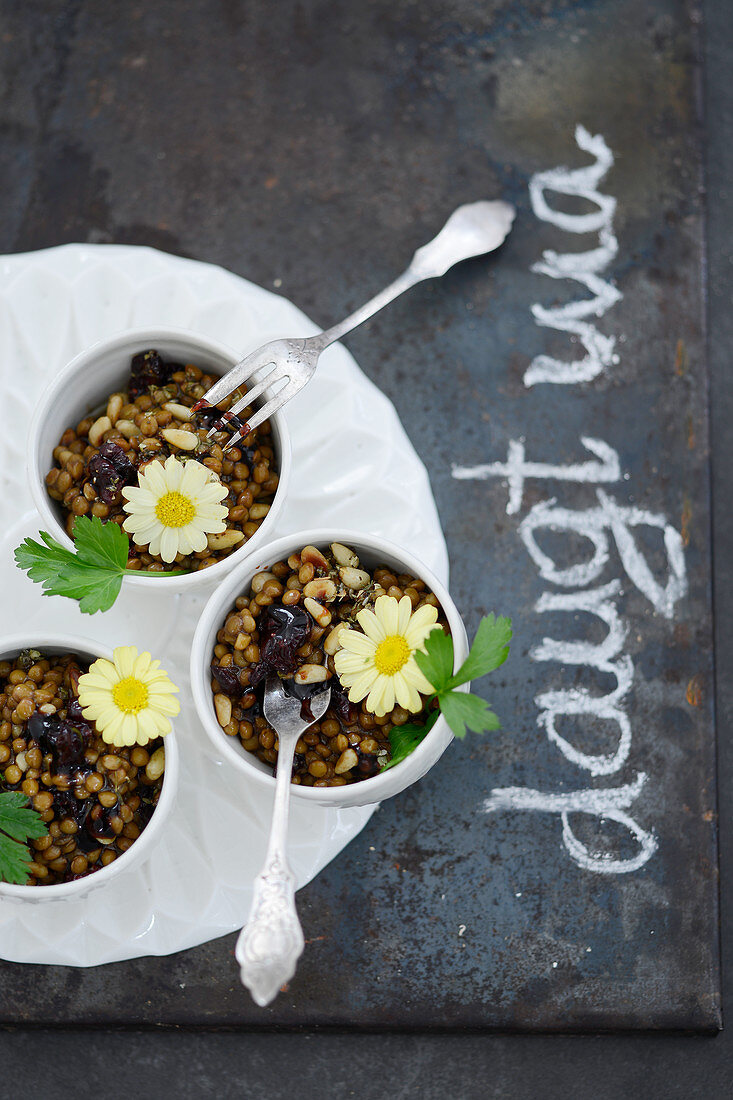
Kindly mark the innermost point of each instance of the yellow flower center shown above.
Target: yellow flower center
(130, 695)
(391, 655)
(174, 510)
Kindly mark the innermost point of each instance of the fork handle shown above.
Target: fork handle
(271, 942)
(471, 230)
(402, 283)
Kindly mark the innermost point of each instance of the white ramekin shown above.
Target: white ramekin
(372, 551)
(138, 852)
(84, 385)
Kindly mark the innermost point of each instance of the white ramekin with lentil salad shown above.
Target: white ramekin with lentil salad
(74, 426)
(127, 794)
(222, 706)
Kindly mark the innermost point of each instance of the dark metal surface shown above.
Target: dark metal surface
(350, 132)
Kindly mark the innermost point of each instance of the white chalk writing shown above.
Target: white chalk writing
(582, 267)
(516, 469)
(591, 534)
(608, 804)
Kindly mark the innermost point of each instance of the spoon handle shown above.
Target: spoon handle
(271, 942)
(471, 230)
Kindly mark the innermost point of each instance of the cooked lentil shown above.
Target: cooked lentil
(281, 616)
(94, 801)
(150, 421)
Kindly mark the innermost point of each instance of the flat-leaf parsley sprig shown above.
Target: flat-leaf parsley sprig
(91, 573)
(462, 710)
(18, 824)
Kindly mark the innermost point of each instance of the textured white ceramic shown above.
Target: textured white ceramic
(347, 445)
(372, 550)
(84, 385)
(136, 855)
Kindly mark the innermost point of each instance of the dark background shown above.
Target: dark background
(100, 209)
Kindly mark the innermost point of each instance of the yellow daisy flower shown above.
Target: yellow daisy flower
(379, 664)
(174, 507)
(129, 699)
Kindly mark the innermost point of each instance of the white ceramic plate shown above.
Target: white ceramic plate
(352, 465)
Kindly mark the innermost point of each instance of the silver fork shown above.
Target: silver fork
(271, 941)
(471, 230)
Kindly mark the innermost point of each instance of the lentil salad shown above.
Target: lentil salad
(289, 622)
(95, 799)
(151, 420)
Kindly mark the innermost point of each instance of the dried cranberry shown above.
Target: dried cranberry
(283, 632)
(98, 822)
(108, 470)
(346, 712)
(228, 679)
(368, 765)
(147, 369)
(62, 738)
(144, 813)
(75, 714)
(66, 804)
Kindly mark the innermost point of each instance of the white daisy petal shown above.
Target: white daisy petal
(350, 664)
(421, 624)
(356, 642)
(404, 613)
(371, 625)
(125, 656)
(192, 494)
(414, 676)
(154, 476)
(379, 665)
(193, 479)
(386, 609)
(169, 544)
(362, 685)
(130, 699)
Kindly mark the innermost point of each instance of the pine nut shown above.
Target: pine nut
(224, 540)
(178, 437)
(156, 764)
(322, 588)
(180, 412)
(128, 428)
(314, 556)
(101, 425)
(260, 580)
(320, 613)
(354, 579)
(332, 645)
(311, 674)
(344, 556)
(346, 761)
(114, 407)
(223, 707)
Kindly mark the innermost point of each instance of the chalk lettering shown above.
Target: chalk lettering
(582, 267)
(593, 524)
(516, 469)
(610, 804)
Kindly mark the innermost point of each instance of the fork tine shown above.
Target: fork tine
(240, 374)
(266, 411)
(254, 393)
(271, 376)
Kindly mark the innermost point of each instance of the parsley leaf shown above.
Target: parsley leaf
(404, 739)
(464, 711)
(489, 650)
(436, 662)
(18, 823)
(91, 573)
(103, 544)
